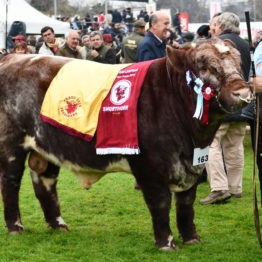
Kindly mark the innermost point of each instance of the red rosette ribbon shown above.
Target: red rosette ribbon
(208, 92)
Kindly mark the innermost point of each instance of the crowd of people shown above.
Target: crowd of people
(101, 20)
(123, 39)
(111, 38)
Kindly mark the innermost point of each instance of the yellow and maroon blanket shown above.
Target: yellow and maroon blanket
(88, 97)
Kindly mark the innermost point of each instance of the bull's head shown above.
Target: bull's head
(217, 62)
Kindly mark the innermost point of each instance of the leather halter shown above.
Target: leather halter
(225, 78)
(217, 89)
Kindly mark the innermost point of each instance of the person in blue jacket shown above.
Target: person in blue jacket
(153, 45)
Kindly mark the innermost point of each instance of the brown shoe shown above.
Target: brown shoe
(239, 195)
(216, 197)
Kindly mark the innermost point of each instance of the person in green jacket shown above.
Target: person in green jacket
(99, 52)
(132, 41)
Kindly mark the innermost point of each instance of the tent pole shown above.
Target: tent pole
(55, 8)
(106, 7)
(6, 21)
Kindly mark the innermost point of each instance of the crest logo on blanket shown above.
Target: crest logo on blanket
(120, 92)
(70, 105)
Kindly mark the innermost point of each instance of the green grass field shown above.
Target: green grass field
(110, 222)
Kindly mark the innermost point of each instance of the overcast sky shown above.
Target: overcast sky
(85, 1)
(115, 4)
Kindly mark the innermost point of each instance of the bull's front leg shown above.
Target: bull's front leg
(44, 178)
(12, 168)
(158, 200)
(185, 215)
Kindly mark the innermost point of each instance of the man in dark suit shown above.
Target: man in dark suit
(153, 45)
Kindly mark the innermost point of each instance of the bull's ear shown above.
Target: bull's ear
(229, 43)
(169, 50)
(177, 57)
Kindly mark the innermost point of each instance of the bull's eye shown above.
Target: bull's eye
(213, 69)
(203, 70)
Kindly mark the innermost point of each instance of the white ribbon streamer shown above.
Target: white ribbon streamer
(188, 78)
(199, 106)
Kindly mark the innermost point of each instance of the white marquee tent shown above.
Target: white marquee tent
(20, 10)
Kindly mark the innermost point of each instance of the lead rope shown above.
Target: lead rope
(255, 205)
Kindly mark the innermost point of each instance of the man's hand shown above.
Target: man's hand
(94, 53)
(255, 84)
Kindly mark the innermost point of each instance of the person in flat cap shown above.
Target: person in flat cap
(140, 23)
(131, 42)
(202, 33)
(188, 38)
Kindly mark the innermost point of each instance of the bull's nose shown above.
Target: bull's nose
(244, 95)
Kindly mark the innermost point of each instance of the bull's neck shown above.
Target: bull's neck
(203, 134)
(172, 104)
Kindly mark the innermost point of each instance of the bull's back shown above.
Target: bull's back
(24, 80)
(20, 71)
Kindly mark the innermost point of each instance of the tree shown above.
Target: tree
(256, 5)
(47, 7)
(43, 6)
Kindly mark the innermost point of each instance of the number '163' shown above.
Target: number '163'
(202, 159)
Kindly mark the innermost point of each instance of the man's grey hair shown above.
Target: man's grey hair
(152, 19)
(229, 22)
(67, 34)
(84, 37)
(94, 33)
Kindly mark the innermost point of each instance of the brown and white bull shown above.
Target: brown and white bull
(167, 134)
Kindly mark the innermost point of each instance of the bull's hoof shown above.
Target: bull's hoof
(192, 241)
(17, 231)
(170, 246)
(137, 186)
(62, 227)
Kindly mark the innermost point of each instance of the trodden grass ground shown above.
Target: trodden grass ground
(110, 222)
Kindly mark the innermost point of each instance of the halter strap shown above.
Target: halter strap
(228, 76)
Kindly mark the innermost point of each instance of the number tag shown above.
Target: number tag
(200, 156)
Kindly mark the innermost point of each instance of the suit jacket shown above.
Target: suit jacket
(150, 48)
